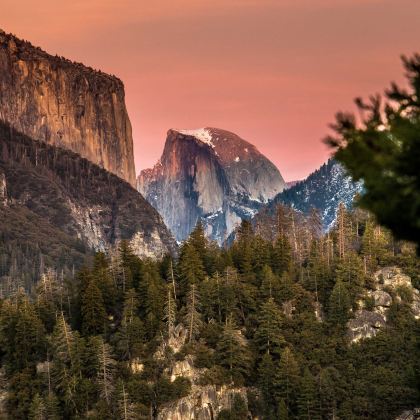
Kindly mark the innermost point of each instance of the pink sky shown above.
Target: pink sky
(273, 71)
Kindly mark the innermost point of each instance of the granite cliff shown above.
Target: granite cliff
(210, 175)
(65, 104)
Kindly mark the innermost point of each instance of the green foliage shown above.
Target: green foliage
(384, 151)
(340, 304)
(101, 344)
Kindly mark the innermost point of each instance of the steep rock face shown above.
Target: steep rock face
(61, 207)
(212, 175)
(66, 104)
(324, 190)
(388, 285)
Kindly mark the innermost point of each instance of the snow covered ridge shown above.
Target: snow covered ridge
(202, 134)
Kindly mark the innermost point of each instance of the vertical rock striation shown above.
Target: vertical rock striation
(65, 104)
(210, 175)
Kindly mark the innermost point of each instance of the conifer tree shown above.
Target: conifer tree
(52, 407)
(287, 380)
(37, 410)
(190, 267)
(233, 353)
(243, 250)
(170, 310)
(66, 370)
(308, 408)
(192, 318)
(106, 369)
(350, 272)
(268, 335)
(125, 406)
(154, 301)
(382, 149)
(130, 334)
(339, 304)
(199, 242)
(342, 230)
(328, 389)
(261, 252)
(282, 410)
(92, 308)
(103, 279)
(270, 284)
(266, 370)
(28, 335)
(281, 255)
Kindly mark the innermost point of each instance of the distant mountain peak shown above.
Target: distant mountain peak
(212, 175)
(324, 189)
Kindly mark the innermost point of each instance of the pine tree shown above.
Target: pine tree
(282, 411)
(170, 311)
(308, 408)
(328, 389)
(125, 406)
(130, 334)
(103, 279)
(281, 255)
(269, 283)
(66, 370)
(243, 251)
(28, 335)
(339, 304)
(199, 242)
(171, 278)
(106, 370)
(342, 230)
(268, 335)
(261, 251)
(92, 308)
(154, 301)
(190, 267)
(37, 410)
(193, 317)
(382, 149)
(233, 353)
(266, 370)
(350, 272)
(287, 380)
(52, 407)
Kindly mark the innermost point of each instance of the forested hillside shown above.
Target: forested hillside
(324, 189)
(56, 208)
(266, 320)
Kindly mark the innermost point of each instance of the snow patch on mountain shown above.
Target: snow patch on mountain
(202, 134)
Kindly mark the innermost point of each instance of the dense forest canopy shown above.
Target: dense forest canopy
(268, 313)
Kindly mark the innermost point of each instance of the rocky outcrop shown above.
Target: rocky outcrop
(65, 104)
(365, 324)
(409, 415)
(389, 284)
(210, 175)
(203, 402)
(61, 207)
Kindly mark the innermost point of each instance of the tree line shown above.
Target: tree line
(268, 312)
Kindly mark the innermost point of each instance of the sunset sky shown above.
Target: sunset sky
(273, 71)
